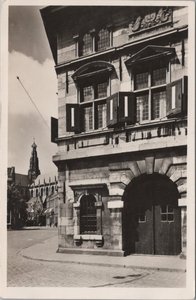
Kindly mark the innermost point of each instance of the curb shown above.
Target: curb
(104, 265)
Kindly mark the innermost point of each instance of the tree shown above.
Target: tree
(16, 204)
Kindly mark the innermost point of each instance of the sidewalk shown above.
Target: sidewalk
(39, 228)
(46, 251)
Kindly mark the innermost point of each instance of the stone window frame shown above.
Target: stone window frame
(149, 91)
(97, 77)
(79, 192)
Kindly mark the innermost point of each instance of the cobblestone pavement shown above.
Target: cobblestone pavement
(23, 272)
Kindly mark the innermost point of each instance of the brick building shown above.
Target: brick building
(122, 127)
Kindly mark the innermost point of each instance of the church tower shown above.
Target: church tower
(34, 164)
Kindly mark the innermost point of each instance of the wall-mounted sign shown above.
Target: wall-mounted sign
(151, 20)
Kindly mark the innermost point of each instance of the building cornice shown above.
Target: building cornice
(161, 144)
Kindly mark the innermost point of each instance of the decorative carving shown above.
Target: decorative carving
(156, 18)
(87, 191)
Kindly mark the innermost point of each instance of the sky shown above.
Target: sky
(30, 58)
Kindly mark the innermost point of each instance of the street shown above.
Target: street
(24, 272)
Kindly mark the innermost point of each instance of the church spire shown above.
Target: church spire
(34, 163)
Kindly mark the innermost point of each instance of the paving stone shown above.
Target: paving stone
(23, 272)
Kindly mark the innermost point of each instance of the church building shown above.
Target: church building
(43, 203)
(122, 127)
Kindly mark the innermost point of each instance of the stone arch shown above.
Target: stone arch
(78, 211)
(119, 179)
(79, 197)
(151, 197)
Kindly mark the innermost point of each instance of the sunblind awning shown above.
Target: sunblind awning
(150, 53)
(92, 69)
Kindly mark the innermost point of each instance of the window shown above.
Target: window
(88, 118)
(167, 213)
(94, 40)
(103, 39)
(151, 101)
(142, 107)
(141, 216)
(88, 219)
(94, 113)
(86, 44)
(102, 89)
(141, 80)
(87, 93)
(159, 76)
(93, 84)
(101, 115)
(158, 104)
(96, 90)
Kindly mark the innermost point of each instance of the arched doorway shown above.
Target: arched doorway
(151, 216)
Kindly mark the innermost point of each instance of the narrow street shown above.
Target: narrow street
(24, 272)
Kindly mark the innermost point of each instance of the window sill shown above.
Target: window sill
(88, 237)
(105, 130)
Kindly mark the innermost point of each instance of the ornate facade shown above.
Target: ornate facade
(122, 127)
(42, 206)
(44, 197)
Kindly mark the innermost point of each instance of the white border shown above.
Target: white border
(104, 293)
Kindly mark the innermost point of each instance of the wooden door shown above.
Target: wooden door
(144, 242)
(152, 217)
(167, 229)
(143, 214)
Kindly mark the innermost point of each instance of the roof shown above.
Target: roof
(21, 179)
(44, 179)
(47, 14)
(56, 17)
